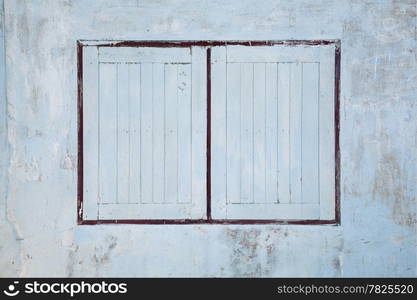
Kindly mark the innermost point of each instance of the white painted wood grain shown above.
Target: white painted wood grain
(184, 133)
(134, 132)
(148, 211)
(218, 132)
(296, 142)
(146, 126)
(259, 133)
(277, 53)
(310, 133)
(150, 129)
(144, 55)
(171, 133)
(327, 133)
(268, 211)
(90, 134)
(199, 131)
(246, 134)
(271, 148)
(122, 138)
(108, 133)
(284, 157)
(272, 135)
(265, 129)
(233, 133)
(158, 132)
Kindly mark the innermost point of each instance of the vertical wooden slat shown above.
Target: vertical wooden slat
(158, 132)
(271, 94)
(327, 142)
(259, 133)
(108, 133)
(218, 132)
(284, 132)
(123, 146)
(134, 130)
(296, 143)
(233, 132)
(310, 133)
(90, 132)
(199, 131)
(184, 133)
(146, 146)
(171, 133)
(246, 125)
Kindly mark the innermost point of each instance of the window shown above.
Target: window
(208, 132)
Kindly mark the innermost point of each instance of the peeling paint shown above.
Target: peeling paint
(389, 186)
(68, 162)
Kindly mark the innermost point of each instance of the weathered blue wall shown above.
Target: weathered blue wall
(38, 145)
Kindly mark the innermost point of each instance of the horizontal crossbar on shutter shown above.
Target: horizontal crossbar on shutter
(151, 211)
(278, 53)
(144, 55)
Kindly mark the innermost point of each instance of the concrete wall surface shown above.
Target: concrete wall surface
(39, 235)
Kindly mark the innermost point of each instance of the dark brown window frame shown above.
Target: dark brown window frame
(186, 44)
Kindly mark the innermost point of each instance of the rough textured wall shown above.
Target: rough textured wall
(39, 235)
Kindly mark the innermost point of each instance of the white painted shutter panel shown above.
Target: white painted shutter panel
(272, 130)
(144, 116)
